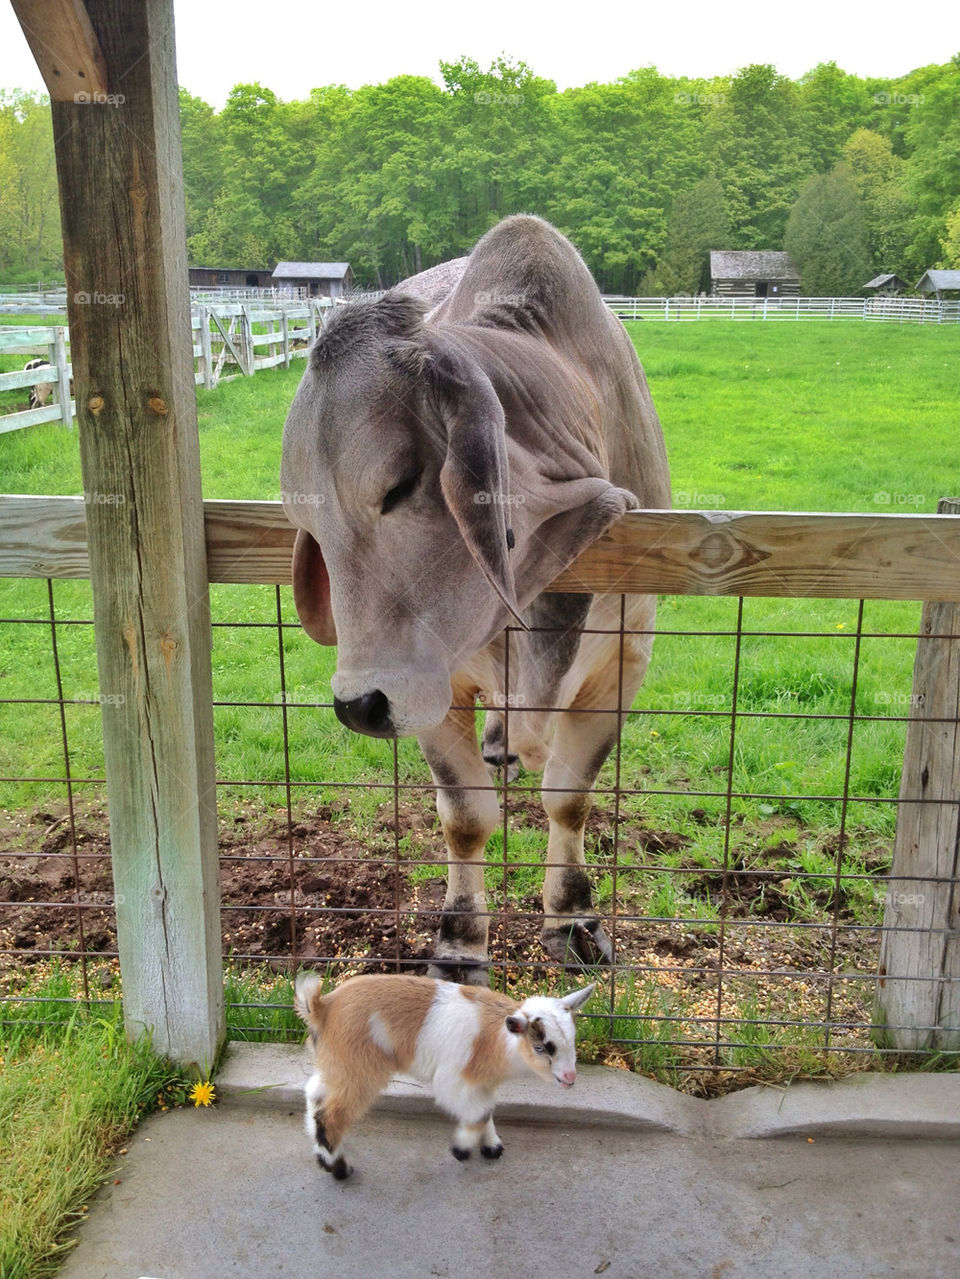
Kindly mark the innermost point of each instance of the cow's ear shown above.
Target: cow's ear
(311, 590)
(475, 475)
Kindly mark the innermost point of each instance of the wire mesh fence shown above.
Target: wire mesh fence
(739, 845)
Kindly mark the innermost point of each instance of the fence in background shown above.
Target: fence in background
(894, 310)
(239, 336)
(354, 881)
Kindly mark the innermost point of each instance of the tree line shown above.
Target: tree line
(852, 175)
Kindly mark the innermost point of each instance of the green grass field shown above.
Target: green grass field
(757, 416)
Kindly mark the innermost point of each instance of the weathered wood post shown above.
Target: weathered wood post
(122, 210)
(59, 361)
(206, 354)
(285, 330)
(248, 351)
(919, 986)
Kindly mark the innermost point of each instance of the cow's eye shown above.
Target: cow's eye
(399, 492)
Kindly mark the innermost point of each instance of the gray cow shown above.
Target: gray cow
(452, 447)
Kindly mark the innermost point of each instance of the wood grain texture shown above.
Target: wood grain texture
(912, 557)
(122, 213)
(66, 49)
(922, 915)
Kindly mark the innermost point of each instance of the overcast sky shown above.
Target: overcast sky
(220, 44)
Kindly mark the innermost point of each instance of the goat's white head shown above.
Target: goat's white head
(547, 1036)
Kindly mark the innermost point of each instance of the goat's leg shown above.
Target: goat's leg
(333, 1107)
(472, 1107)
(572, 932)
(469, 810)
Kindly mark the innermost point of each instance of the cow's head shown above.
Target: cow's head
(395, 470)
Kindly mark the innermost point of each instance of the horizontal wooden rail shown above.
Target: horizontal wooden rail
(894, 557)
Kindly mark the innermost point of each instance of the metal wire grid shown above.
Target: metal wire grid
(709, 1031)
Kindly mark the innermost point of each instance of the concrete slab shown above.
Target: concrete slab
(620, 1177)
(901, 1106)
(235, 1192)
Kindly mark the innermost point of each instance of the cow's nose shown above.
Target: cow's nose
(368, 714)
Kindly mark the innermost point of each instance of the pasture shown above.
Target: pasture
(766, 417)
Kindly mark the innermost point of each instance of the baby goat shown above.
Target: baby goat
(462, 1040)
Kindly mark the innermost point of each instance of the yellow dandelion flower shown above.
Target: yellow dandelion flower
(841, 626)
(203, 1094)
(654, 733)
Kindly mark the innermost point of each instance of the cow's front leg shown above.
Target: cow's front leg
(469, 810)
(572, 932)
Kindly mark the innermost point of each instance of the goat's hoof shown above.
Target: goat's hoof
(460, 1153)
(491, 1152)
(340, 1170)
(463, 971)
(583, 943)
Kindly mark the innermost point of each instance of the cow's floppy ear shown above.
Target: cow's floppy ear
(311, 590)
(475, 475)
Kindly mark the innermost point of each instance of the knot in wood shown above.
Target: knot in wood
(95, 404)
(156, 405)
(168, 647)
(716, 550)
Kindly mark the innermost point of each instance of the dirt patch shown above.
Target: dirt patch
(351, 894)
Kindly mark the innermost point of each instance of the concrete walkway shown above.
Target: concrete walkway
(621, 1177)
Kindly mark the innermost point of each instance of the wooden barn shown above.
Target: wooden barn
(753, 273)
(940, 284)
(218, 277)
(889, 285)
(317, 279)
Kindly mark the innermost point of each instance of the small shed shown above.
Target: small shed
(219, 277)
(317, 279)
(939, 283)
(753, 273)
(887, 285)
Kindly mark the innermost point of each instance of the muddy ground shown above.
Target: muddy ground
(326, 891)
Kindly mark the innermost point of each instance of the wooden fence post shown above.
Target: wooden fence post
(247, 349)
(919, 986)
(206, 354)
(285, 329)
(122, 210)
(59, 361)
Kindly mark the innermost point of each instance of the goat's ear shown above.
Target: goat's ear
(577, 998)
(517, 1023)
(475, 474)
(311, 589)
(305, 987)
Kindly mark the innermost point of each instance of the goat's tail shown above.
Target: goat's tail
(308, 1001)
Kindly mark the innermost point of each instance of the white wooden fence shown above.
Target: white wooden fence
(231, 339)
(895, 310)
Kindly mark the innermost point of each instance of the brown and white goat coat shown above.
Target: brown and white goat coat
(464, 1041)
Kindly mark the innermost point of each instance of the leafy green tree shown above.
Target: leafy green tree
(832, 105)
(626, 148)
(878, 175)
(753, 143)
(201, 139)
(933, 165)
(950, 243)
(250, 221)
(30, 244)
(827, 236)
(698, 223)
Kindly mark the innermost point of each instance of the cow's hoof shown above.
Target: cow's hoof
(463, 970)
(491, 1152)
(583, 943)
(460, 1153)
